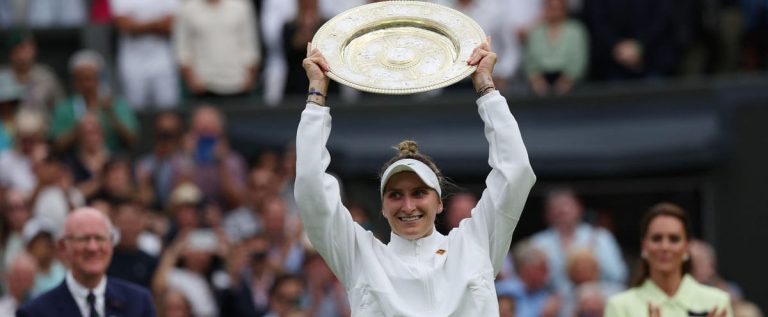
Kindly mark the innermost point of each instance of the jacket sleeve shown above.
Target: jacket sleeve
(327, 222)
(507, 186)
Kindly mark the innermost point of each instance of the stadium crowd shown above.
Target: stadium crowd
(212, 233)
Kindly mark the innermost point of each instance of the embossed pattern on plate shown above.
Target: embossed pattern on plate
(398, 47)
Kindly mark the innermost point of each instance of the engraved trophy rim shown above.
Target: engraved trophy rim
(421, 28)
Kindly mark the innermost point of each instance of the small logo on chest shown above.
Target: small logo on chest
(440, 252)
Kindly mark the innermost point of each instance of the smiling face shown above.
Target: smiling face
(665, 245)
(87, 245)
(410, 206)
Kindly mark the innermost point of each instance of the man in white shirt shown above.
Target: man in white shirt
(145, 56)
(217, 46)
(19, 281)
(87, 246)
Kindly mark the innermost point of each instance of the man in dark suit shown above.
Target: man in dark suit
(87, 291)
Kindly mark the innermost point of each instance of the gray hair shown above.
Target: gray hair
(526, 253)
(86, 57)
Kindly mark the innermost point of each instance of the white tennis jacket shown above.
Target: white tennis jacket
(433, 276)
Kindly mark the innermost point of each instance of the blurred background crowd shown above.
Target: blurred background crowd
(121, 105)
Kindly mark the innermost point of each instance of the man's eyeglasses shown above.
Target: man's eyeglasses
(84, 240)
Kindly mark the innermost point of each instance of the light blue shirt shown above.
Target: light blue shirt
(526, 304)
(601, 242)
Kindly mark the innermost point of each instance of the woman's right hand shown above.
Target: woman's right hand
(316, 67)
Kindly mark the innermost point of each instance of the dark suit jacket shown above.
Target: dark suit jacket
(121, 299)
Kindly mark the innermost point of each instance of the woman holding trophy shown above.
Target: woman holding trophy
(420, 272)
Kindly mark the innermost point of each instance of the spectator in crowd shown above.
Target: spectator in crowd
(501, 25)
(92, 95)
(458, 208)
(633, 38)
(664, 272)
(15, 214)
(532, 296)
(567, 231)
(56, 191)
(129, 262)
(507, 306)
(39, 238)
(556, 51)
(285, 296)
(19, 281)
(41, 88)
(183, 210)
(284, 235)
(157, 172)
(217, 46)
(252, 276)
(145, 57)
(246, 220)
(10, 97)
(18, 164)
(89, 160)
(704, 268)
(53, 13)
(116, 181)
(216, 168)
(590, 301)
(195, 252)
(86, 245)
(325, 296)
(583, 269)
(174, 304)
(274, 15)
(296, 33)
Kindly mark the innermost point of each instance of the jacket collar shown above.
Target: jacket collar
(400, 244)
(683, 295)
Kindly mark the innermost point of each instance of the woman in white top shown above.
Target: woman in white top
(420, 272)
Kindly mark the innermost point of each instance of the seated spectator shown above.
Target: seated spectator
(91, 95)
(183, 211)
(217, 46)
(532, 296)
(88, 162)
(285, 296)
(246, 220)
(216, 169)
(10, 97)
(567, 232)
(17, 165)
(584, 270)
(158, 171)
(116, 181)
(41, 87)
(15, 213)
(252, 276)
(39, 237)
(286, 252)
(187, 266)
(145, 58)
(129, 262)
(507, 306)
(458, 208)
(57, 193)
(556, 51)
(325, 295)
(19, 282)
(590, 301)
(297, 32)
(704, 268)
(174, 304)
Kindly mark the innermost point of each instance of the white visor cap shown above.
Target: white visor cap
(410, 165)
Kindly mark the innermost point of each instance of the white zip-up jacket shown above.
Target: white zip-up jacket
(433, 276)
